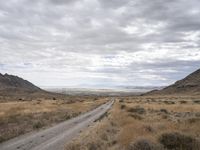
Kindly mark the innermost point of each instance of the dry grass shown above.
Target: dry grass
(162, 115)
(141, 122)
(19, 117)
(100, 136)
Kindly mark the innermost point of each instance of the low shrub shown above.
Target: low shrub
(73, 146)
(144, 144)
(197, 114)
(177, 141)
(95, 99)
(169, 102)
(123, 106)
(165, 116)
(38, 125)
(193, 120)
(136, 116)
(138, 110)
(93, 146)
(148, 128)
(197, 101)
(183, 102)
(164, 111)
(121, 100)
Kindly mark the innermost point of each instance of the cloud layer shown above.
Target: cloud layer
(100, 42)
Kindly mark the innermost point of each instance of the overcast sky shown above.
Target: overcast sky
(100, 43)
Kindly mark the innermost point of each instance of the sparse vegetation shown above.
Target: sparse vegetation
(146, 123)
(123, 106)
(19, 117)
(138, 110)
(38, 125)
(193, 120)
(197, 101)
(177, 141)
(121, 100)
(136, 116)
(100, 136)
(164, 111)
(144, 144)
(183, 102)
(169, 102)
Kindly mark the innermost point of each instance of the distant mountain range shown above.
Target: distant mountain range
(14, 85)
(190, 85)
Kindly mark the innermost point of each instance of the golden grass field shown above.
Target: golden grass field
(145, 123)
(19, 117)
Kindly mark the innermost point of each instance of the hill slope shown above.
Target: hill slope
(15, 88)
(189, 85)
(10, 82)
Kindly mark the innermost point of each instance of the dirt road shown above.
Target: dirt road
(55, 138)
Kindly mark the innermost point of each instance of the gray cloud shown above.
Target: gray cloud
(116, 42)
(61, 2)
(113, 3)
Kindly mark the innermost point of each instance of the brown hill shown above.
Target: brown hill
(15, 88)
(15, 83)
(190, 85)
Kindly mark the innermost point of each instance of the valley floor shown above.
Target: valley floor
(54, 138)
(20, 117)
(145, 123)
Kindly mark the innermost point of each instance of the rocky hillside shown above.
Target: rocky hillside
(189, 85)
(15, 88)
(15, 83)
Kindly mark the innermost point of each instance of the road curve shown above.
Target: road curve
(54, 138)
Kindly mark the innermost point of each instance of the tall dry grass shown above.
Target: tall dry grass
(149, 123)
(19, 117)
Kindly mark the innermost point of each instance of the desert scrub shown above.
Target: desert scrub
(94, 146)
(164, 111)
(102, 135)
(38, 125)
(20, 117)
(138, 110)
(148, 128)
(193, 120)
(183, 102)
(169, 102)
(177, 141)
(144, 144)
(100, 140)
(123, 106)
(121, 100)
(136, 116)
(73, 146)
(196, 101)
